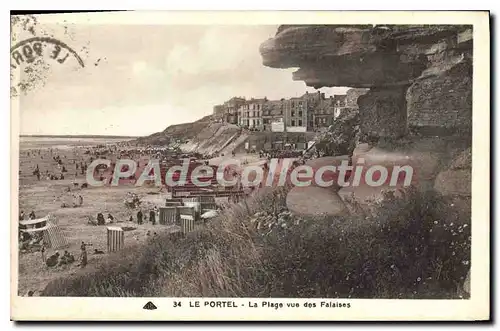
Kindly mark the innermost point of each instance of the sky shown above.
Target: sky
(140, 78)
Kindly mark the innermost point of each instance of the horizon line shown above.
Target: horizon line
(80, 135)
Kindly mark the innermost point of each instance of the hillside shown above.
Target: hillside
(183, 132)
(203, 136)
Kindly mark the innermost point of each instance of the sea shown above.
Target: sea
(31, 142)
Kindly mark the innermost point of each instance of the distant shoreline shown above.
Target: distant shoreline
(73, 136)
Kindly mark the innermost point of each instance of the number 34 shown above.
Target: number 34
(177, 304)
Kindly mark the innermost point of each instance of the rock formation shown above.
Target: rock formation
(420, 81)
(341, 137)
(419, 76)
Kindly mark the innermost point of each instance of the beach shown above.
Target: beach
(45, 197)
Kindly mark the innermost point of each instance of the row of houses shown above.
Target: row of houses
(308, 112)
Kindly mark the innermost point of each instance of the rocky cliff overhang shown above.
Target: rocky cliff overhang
(362, 56)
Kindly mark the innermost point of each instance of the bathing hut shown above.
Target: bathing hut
(116, 238)
(46, 226)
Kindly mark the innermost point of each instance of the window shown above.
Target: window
(300, 122)
(293, 113)
(293, 122)
(300, 113)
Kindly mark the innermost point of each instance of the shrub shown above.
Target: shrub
(413, 248)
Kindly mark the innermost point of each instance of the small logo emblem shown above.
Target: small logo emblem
(149, 306)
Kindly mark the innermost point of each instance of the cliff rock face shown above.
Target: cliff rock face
(383, 112)
(443, 101)
(419, 76)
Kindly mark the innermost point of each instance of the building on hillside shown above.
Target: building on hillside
(250, 114)
(308, 112)
(300, 112)
(324, 113)
(349, 101)
(339, 104)
(231, 109)
(218, 112)
(273, 112)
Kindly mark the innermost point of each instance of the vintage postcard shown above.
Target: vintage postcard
(250, 166)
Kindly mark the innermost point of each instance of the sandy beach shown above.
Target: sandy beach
(45, 197)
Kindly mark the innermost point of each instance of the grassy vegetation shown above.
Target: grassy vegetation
(417, 246)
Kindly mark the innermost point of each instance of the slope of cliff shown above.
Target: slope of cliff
(213, 138)
(182, 132)
(204, 136)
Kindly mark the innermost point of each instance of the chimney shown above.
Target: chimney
(323, 96)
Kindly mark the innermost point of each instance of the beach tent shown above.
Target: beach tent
(116, 238)
(52, 234)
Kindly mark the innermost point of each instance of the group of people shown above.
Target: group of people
(67, 258)
(279, 154)
(77, 201)
(62, 168)
(56, 259)
(100, 220)
(31, 215)
(140, 216)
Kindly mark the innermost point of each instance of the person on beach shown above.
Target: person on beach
(32, 215)
(53, 260)
(83, 256)
(152, 217)
(44, 259)
(100, 219)
(139, 217)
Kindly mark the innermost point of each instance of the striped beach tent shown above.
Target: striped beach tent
(168, 215)
(207, 202)
(187, 224)
(54, 238)
(192, 202)
(186, 210)
(52, 234)
(116, 238)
